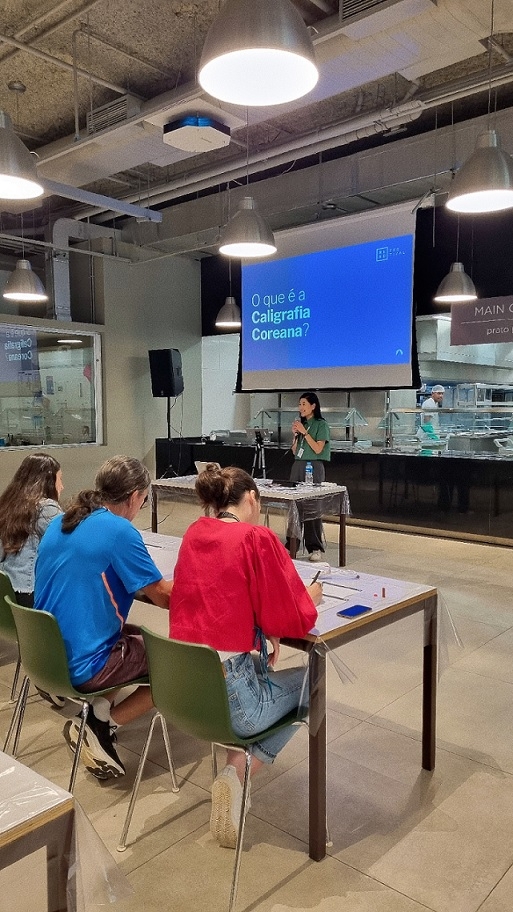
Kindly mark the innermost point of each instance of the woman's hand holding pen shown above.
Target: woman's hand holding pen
(315, 589)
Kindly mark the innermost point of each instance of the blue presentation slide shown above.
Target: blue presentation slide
(349, 307)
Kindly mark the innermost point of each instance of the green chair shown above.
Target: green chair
(7, 625)
(189, 690)
(44, 658)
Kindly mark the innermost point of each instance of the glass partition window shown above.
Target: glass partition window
(49, 387)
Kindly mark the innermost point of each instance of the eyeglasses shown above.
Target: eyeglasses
(145, 501)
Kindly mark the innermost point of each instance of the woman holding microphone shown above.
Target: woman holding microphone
(311, 443)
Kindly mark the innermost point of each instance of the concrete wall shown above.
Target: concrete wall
(145, 306)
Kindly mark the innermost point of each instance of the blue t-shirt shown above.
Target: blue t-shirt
(87, 579)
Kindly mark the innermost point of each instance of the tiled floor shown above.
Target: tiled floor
(403, 840)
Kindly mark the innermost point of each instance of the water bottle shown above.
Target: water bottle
(309, 473)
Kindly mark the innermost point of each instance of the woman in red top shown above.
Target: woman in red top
(234, 587)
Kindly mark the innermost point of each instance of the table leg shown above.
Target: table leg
(56, 835)
(317, 755)
(429, 683)
(342, 554)
(154, 508)
(293, 543)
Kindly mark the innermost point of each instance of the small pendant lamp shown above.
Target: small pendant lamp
(24, 285)
(229, 315)
(456, 286)
(247, 234)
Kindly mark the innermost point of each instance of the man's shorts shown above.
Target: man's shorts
(126, 662)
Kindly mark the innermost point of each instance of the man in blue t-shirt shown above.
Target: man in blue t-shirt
(91, 562)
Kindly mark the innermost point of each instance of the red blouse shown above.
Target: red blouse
(231, 578)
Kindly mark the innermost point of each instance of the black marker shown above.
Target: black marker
(316, 577)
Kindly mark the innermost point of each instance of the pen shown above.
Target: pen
(316, 577)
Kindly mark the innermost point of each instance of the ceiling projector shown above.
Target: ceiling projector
(196, 134)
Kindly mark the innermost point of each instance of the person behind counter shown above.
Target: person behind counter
(90, 563)
(311, 443)
(431, 405)
(234, 587)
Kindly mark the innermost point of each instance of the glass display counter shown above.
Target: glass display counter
(278, 423)
(481, 432)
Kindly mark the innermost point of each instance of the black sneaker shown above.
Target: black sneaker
(98, 752)
(52, 699)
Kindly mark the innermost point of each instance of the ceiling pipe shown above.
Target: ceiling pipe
(56, 61)
(62, 231)
(331, 137)
(369, 124)
(100, 201)
(39, 20)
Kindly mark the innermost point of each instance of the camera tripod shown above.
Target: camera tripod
(258, 456)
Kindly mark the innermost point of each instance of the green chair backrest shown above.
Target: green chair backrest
(7, 625)
(42, 650)
(188, 688)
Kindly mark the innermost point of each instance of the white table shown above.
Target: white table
(301, 502)
(390, 600)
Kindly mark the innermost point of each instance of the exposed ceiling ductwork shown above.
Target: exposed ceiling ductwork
(384, 65)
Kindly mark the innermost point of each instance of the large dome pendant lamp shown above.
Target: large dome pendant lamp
(484, 183)
(18, 175)
(258, 52)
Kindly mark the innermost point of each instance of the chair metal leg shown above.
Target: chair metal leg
(78, 751)
(135, 789)
(17, 717)
(12, 698)
(167, 744)
(214, 761)
(240, 837)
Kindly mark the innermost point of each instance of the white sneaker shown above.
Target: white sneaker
(226, 805)
(316, 556)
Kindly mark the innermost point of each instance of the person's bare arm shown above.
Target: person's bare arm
(159, 592)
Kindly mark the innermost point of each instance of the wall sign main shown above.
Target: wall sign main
(481, 321)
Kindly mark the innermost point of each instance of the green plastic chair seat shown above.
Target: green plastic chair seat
(7, 625)
(189, 690)
(44, 658)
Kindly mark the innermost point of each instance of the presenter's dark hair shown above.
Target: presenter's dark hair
(313, 399)
(33, 481)
(116, 481)
(219, 488)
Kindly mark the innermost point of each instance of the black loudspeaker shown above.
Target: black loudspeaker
(166, 372)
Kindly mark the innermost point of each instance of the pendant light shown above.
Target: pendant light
(258, 52)
(247, 233)
(18, 175)
(484, 183)
(457, 285)
(24, 285)
(229, 316)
